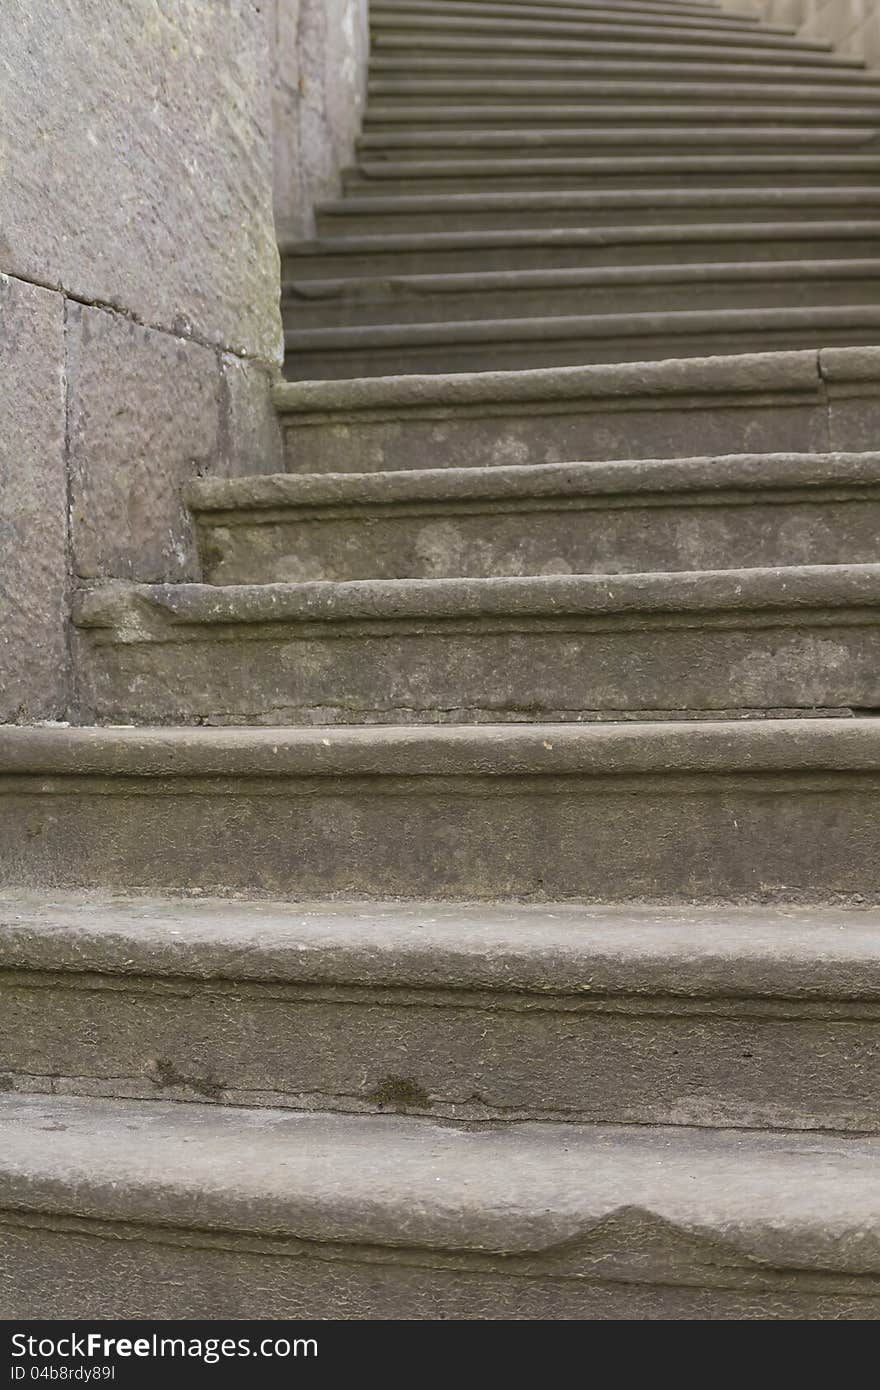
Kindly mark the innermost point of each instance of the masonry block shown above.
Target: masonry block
(33, 503)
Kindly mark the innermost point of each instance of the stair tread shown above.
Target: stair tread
(735, 373)
(276, 491)
(783, 1200)
(794, 952)
(599, 198)
(159, 752)
(634, 16)
(117, 605)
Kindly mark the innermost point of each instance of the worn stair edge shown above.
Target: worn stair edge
(712, 476)
(476, 144)
(563, 1013)
(696, 323)
(631, 51)
(407, 90)
(135, 613)
(634, 17)
(635, 112)
(769, 1215)
(500, 750)
(730, 811)
(625, 167)
(411, 28)
(388, 287)
(851, 76)
(736, 374)
(785, 1202)
(593, 200)
(558, 948)
(626, 234)
(741, 374)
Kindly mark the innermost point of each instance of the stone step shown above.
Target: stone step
(685, 8)
(503, 45)
(472, 143)
(584, 518)
(621, 1015)
(708, 8)
(553, 647)
(627, 172)
(581, 115)
(631, 20)
(803, 402)
(693, 812)
(404, 92)
(847, 78)
(606, 289)
(258, 1213)
(548, 248)
(492, 211)
(383, 350)
(450, 46)
(430, 25)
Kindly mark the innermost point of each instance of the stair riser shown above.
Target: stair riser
(358, 222)
(310, 364)
(552, 255)
(834, 527)
(207, 1277)
(348, 309)
(486, 670)
(539, 433)
(691, 838)
(456, 1053)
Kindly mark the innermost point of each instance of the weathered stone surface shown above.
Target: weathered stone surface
(633, 516)
(553, 647)
(250, 431)
(140, 175)
(33, 504)
(144, 417)
(773, 810)
(318, 86)
(365, 1216)
(768, 402)
(722, 1016)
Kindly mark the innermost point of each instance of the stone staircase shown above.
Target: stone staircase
(464, 903)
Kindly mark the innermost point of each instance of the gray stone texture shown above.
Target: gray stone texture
(250, 439)
(551, 647)
(719, 1016)
(362, 1217)
(33, 504)
(768, 810)
(853, 26)
(144, 417)
(318, 87)
(634, 516)
(142, 171)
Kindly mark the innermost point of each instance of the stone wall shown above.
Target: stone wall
(853, 26)
(140, 329)
(318, 90)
